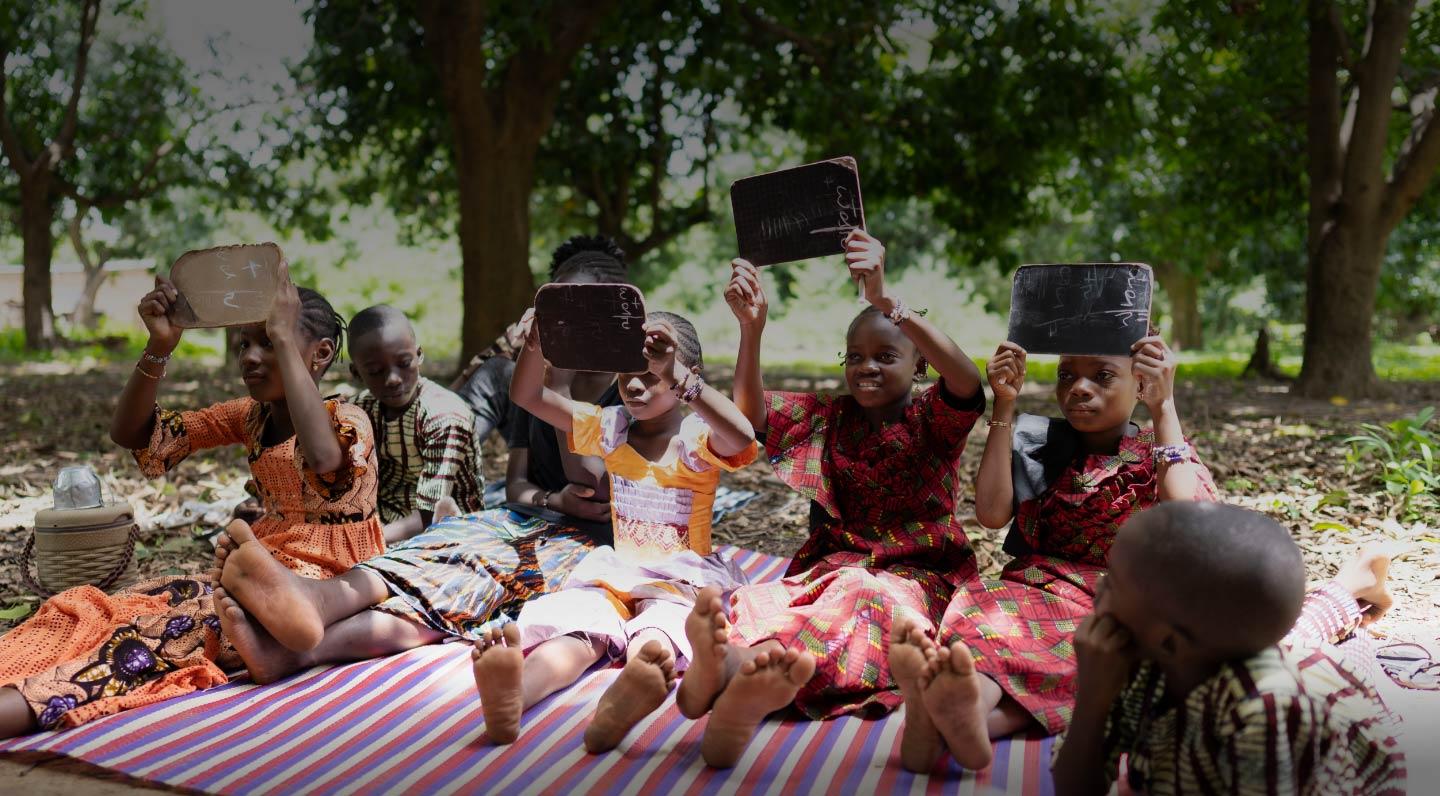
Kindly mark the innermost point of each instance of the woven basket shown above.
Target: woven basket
(74, 547)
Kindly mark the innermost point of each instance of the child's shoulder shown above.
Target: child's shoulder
(436, 401)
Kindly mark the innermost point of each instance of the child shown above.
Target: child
(881, 468)
(86, 654)
(423, 432)
(1069, 484)
(632, 599)
(1201, 597)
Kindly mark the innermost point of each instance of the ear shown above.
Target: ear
(323, 354)
(419, 353)
(355, 373)
(1174, 643)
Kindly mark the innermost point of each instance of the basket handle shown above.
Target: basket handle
(28, 556)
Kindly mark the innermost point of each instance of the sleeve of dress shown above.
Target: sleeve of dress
(1205, 490)
(1330, 613)
(357, 447)
(795, 429)
(695, 443)
(587, 430)
(949, 417)
(447, 451)
(178, 434)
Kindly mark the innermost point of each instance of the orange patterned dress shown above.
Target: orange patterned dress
(86, 654)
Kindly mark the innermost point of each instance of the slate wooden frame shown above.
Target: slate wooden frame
(797, 213)
(226, 285)
(1087, 309)
(592, 327)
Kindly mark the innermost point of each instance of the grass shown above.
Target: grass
(107, 344)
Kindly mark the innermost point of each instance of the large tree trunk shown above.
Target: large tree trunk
(84, 316)
(494, 230)
(37, 215)
(1183, 290)
(1342, 278)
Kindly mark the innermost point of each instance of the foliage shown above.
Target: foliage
(1401, 456)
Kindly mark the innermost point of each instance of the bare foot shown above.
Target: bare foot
(641, 688)
(910, 652)
(1364, 577)
(499, 666)
(265, 658)
(708, 632)
(225, 543)
(953, 697)
(445, 507)
(283, 602)
(763, 685)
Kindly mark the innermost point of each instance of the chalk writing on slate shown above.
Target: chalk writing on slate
(598, 327)
(226, 285)
(1092, 309)
(796, 214)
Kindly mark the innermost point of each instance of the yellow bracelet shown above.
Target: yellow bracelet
(998, 424)
(148, 375)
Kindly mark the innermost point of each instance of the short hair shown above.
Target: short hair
(319, 320)
(1231, 576)
(597, 256)
(374, 318)
(869, 312)
(687, 340)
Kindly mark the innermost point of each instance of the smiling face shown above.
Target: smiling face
(1096, 393)
(880, 362)
(387, 361)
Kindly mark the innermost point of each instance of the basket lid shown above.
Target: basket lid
(117, 511)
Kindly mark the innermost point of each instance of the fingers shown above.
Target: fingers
(1008, 348)
(580, 491)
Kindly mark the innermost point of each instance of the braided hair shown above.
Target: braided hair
(320, 321)
(687, 340)
(596, 257)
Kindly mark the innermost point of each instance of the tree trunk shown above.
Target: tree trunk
(1341, 282)
(1183, 290)
(494, 229)
(84, 316)
(37, 214)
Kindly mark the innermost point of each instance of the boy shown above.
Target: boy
(1231, 694)
(424, 434)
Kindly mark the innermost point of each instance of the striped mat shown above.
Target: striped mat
(410, 723)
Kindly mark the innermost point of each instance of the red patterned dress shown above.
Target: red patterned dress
(883, 538)
(1019, 628)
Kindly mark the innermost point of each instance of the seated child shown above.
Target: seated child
(424, 434)
(881, 467)
(1069, 484)
(87, 654)
(1190, 666)
(631, 599)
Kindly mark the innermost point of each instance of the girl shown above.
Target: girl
(86, 654)
(1069, 484)
(632, 599)
(881, 468)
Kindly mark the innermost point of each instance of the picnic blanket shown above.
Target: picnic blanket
(411, 723)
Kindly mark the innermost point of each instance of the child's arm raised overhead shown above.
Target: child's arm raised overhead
(1155, 369)
(866, 258)
(314, 430)
(730, 431)
(134, 418)
(527, 385)
(995, 485)
(746, 298)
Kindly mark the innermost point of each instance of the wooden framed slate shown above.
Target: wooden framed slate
(799, 213)
(1093, 309)
(599, 327)
(226, 285)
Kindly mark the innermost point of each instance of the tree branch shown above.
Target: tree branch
(8, 139)
(64, 143)
(1363, 176)
(137, 189)
(1323, 146)
(534, 74)
(809, 45)
(1342, 38)
(1416, 164)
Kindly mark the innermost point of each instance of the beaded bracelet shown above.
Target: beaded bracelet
(697, 385)
(149, 357)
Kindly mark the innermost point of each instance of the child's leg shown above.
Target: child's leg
(16, 717)
(968, 708)
(366, 635)
(910, 652)
(510, 682)
(295, 610)
(642, 686)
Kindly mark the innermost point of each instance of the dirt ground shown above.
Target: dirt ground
(1267, 450)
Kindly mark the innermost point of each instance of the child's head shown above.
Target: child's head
(384, 355)
(644, 394)
(586, 259)
(881, 363)
(322, 332)
(1203, 582)
(1096, 393)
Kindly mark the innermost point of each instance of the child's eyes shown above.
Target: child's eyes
(887, 357)
(1065, 376)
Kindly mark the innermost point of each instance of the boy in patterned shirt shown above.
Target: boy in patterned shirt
(424, 434)
(1207, 664)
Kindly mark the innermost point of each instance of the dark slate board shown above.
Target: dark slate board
(599, 327)
(796, 214)
(1092, 309)
(226, 285)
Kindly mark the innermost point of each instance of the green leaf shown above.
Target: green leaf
(16, 611)
(1338, 497)
(1331, 526)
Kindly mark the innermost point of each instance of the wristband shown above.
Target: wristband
(697, 385)
(149, 357)
(149, 375)
(999, 424)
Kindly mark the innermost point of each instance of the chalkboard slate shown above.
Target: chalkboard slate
(1094, 309)
(799, 213)
(598, 327)
(225, 286)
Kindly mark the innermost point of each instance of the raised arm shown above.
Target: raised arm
(314, 430)
(866, 258)
(1154, 365)
(134, 417)
(730, 432)
(527, 386)
(746, 298)
(995, 485)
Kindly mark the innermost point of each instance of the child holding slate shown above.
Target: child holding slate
(86, 654)
(881, 467)
(631, 599)
(1005, 661)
